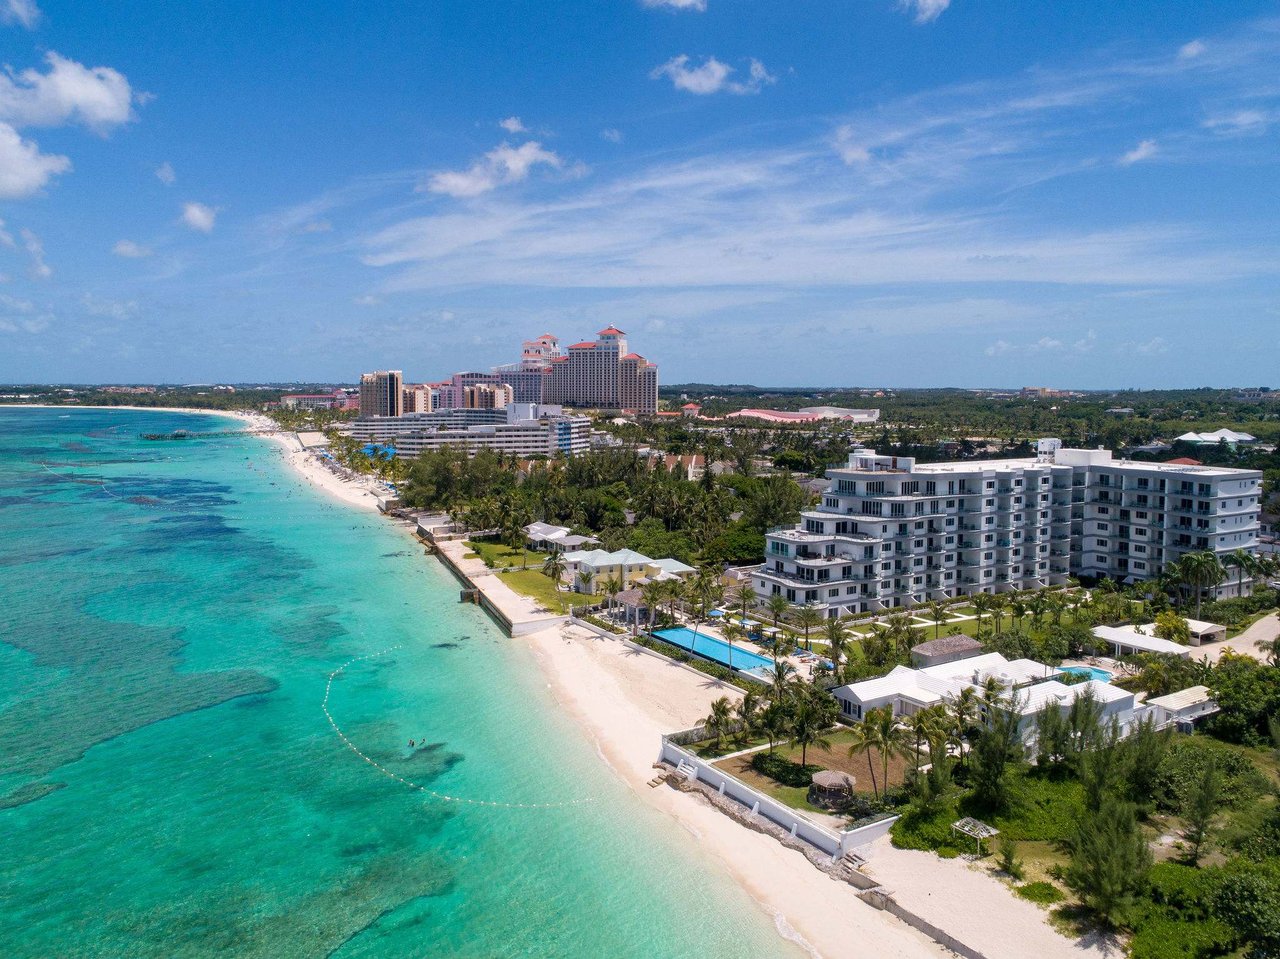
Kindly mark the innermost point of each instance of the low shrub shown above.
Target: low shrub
(1044, 893)
(1184, 763)
(1163, 937)
(782, 770)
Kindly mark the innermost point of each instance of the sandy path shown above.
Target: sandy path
(625, 700)
(975, 907)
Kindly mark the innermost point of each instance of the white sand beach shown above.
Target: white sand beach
(625, 700)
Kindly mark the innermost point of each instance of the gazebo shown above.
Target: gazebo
(831, 788)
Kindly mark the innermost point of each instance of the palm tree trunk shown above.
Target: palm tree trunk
(875, 790)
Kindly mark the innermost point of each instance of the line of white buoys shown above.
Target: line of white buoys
(105, 487)
(444, 797)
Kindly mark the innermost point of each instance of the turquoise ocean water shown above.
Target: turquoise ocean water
(170, 787)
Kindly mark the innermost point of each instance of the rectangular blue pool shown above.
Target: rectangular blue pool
(717, 650)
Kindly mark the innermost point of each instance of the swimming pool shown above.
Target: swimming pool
(1093, 672)
(717, 650)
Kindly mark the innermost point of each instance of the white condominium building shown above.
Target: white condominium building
(891, 533)
(522, 430)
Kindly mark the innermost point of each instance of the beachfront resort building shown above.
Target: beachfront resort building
(520, 429)
(335, 400)
(416, 398)
(602, 374)
(381, 393)
(889, 532)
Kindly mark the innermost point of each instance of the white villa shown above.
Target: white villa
(586, 569)
(1027, 684)
(556, 538)
(1230, 437)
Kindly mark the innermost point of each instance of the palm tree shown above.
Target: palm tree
(1201, 571)
(744, 599)
(774, 723)
(962, 709)
(781, 676)
(808, 722)
(612, 587)
(938, 613)
(1017, 609)
(981, 604)
(777, 605)
(652, 594)
(1272, 648)
(1242, 562)
(837, 634)
(748, 712)
(719, 720)
(554, 566)
(730, 632)
(999, 603)
(879, 731)
(1038, 605)
(807, 617)
(926, 724)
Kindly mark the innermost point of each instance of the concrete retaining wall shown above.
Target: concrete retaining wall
(833, 843)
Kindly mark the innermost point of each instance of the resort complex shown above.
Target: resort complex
(516, 429)
(890, 532)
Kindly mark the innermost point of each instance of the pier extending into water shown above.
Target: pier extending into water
(189, 435)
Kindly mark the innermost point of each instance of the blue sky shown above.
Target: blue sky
(860, 192)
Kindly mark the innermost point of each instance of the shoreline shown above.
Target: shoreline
(623, 703)
(305, 463)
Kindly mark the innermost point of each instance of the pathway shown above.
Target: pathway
(1264, 630)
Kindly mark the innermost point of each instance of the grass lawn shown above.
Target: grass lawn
(500, 555)
(837, 757)
(533, 583)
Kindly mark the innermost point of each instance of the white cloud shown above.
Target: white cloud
(130, 250)
(114, 309)
(24, 170)
(98, 97)
(699, 5)
(199, 217)
(1155, 346)
(1240, 122)
(165, 174)
(24, 12)
(712, 76)
(38, 269)
(367, 300)
(612, 134)
(1189, 51)
(924, 11)
(848, 148)
(1143, 151)
(501, 165)
(513, 125)
(6, 238)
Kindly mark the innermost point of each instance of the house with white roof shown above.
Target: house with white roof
(1183, 708)
(589, 569)
(1217, 436)
(1132, 640)
(1028, 686)
(545, 536)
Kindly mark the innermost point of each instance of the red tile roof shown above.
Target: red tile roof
(1184, 461)
(611, 331)
(585, 345)
(633, 356)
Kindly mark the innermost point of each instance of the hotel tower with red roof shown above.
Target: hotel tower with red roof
(602, 375)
